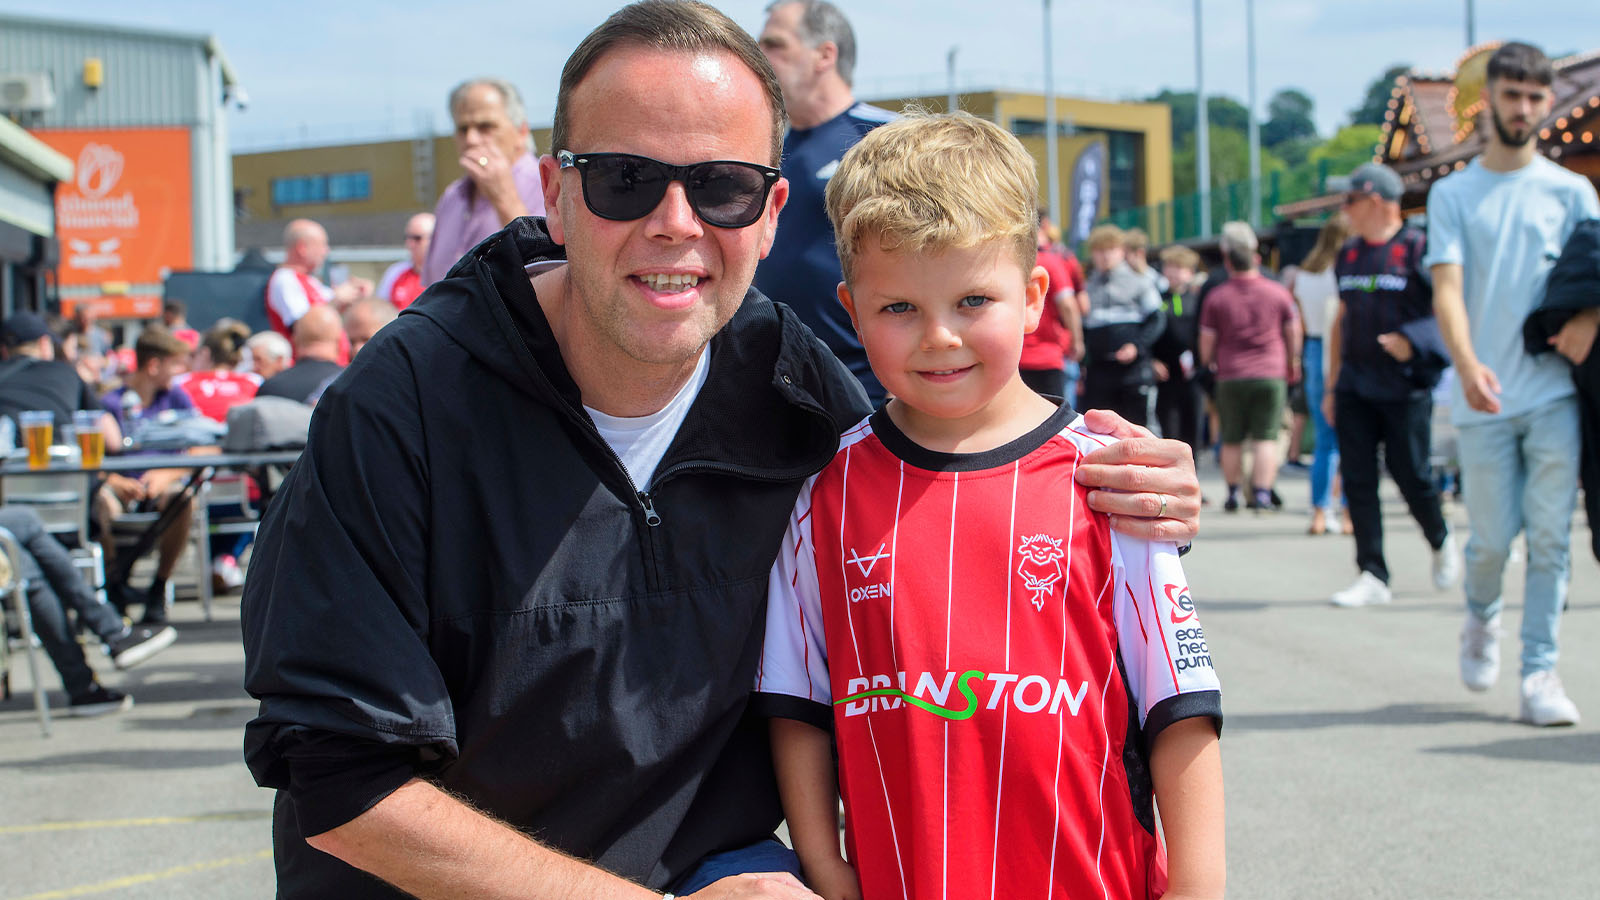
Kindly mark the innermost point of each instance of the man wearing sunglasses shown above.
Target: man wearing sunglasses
(506, 609)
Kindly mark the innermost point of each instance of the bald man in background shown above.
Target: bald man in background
(294, 287)
(363, 320)
(318, 340)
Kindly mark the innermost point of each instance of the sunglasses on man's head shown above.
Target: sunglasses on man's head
(624, 187)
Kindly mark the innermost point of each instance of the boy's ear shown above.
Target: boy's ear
(849, 303)
(1033, 299)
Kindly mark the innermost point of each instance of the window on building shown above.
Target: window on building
(340, 187)
(1125, 149)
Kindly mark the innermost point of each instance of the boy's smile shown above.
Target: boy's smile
(943, 330)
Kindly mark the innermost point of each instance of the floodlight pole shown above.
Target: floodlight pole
(1255, 126)
(1052, 165)
(1202, 132)
(950, 99)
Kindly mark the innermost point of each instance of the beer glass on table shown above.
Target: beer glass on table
(91, 440)
(38, 430)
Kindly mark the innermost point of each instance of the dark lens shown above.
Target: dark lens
(728, 195)
(623, 187)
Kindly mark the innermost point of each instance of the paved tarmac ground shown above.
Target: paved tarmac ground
(1357, 766)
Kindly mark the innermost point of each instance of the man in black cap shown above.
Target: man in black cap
(1385, 355)
(32, 378)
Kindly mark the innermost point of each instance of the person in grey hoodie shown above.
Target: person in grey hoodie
(1124, 321)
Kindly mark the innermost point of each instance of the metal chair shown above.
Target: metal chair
(62, 500)
(14, 586)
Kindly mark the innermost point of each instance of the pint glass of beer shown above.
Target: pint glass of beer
(91, 440)
(38, 430)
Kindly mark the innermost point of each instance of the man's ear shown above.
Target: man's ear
(775, 204)
(827, 56)
(550, 187)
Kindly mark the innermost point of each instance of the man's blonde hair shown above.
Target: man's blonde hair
(929, 182)
(1103, 236)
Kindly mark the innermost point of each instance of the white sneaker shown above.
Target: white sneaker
(1368, 590)
(1480, 652)
(1447, 564)
(1544, 702)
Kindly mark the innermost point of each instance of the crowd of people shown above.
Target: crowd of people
(735, 562)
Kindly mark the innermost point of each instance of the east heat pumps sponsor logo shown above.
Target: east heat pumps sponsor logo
(1040, 566)
(930, 693)
(1190, 648)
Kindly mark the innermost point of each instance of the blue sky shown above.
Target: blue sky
(327, 72)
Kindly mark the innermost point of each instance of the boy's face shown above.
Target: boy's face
(943, 330)
(1177, 276)
(1106, 258)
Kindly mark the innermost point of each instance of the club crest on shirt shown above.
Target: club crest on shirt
(1040, 566)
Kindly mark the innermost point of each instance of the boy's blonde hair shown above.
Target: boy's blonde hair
(1135, 239)
(1181, 256)
(929, 182)
(1104, 236)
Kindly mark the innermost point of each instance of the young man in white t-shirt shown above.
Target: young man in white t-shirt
(1494, 230)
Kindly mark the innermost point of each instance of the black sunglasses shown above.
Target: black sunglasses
(623, 187)
(1353, 197)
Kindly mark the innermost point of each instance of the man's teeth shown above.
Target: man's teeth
(670, 282)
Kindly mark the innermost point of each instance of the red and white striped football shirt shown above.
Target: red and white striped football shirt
(994, 660)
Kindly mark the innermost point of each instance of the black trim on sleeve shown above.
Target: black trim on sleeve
(1183, 706)
(788, 706)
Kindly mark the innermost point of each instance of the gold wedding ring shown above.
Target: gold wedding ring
(483, 162)
(1162, 512)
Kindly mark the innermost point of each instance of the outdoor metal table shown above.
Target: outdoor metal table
(204, 466)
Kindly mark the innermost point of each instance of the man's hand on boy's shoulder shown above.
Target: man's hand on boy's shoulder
(1147, 485)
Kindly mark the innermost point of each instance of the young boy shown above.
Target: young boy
(1005, 677)
(1122, 325)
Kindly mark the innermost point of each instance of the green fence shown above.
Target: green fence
(1179, 218)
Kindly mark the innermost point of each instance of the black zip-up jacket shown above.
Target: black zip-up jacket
(458, 580)
(1573, 286)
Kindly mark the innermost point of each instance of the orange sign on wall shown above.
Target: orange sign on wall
(125, 220)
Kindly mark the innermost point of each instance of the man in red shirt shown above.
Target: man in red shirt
(295, 288)
(1250, 334)
(402, 282)
(1059, 336)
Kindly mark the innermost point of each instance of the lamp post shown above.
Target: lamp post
(1202, 131)
(1255, 127)
(950, 99)
(1052, 166)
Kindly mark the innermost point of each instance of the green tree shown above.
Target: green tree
(1371, 110)
(1221, 112)
(1289, 118)
(1351, 146)
(1230, 160)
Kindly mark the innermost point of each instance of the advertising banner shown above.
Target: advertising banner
(125, 220)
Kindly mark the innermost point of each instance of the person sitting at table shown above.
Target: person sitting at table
(53, 585)
(147, 394)
(318, 341)
(270, 353)
(219, 386)
(33, 378)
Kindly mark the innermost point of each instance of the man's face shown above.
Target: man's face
(1516, 108)
(313, 249)
(680, 108)
(162, 371)
(481, 121)
(794, 61)
(268, 366)
(419, 231)
(1361, 211)
(360, 324)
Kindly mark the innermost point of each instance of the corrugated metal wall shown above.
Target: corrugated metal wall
(149, 76)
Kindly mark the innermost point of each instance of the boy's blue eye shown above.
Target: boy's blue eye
(899, 307)
(973, 301)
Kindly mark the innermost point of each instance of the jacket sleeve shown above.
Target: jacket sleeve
(1431, 356)
(334, 613)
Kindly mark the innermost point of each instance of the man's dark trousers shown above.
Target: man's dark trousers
(1402, 428)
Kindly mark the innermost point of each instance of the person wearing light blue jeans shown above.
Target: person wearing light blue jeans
(1521, 473)
(1495, 228)
(1325, 457)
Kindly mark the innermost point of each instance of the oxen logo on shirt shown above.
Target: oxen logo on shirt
(1040, 566)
